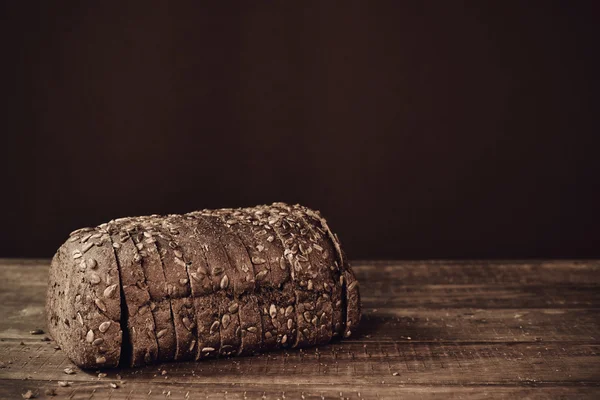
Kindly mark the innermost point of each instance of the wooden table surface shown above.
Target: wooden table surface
(431, 329)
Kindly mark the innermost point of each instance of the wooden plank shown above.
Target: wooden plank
(349, 363)
(441, 272)
(479, 296)
(230, 391)
(478, 325)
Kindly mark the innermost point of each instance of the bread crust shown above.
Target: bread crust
(83, 321)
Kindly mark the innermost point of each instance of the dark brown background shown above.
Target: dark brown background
(420, 129)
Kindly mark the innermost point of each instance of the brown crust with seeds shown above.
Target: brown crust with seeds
(140, 321)
(219, 274)
(242, 269)
(208, 319)
(352, 297)
(144, 236)
(184, 319)
(230, 330)
(353, 312)
(250, 324)
(324, 256)
(71, 312)
(258, 220)
(301, 270)
(174, 258)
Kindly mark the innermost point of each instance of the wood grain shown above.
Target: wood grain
(435, 329)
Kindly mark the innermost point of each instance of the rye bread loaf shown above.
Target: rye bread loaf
(205, 284)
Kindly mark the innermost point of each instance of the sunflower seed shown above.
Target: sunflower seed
(214, 327)
(252, 329)
(290, 323)
(101, 360)
(233, 308)
(95, 279)
(316, 246)
(289, 310)
(100, 304)
(217, 270)
(261, 275)
(284, 339)
(189, 325)
(224, 282)
(307, 316)
(73, 239)
(76, 254)
(110, 290)
(116, 245)
(161, 333)
(268, 335)
(87, 247)
(91, 263)
(142, 310)
(309, 286)
(348, 333)
(104, 326)
(89, 337)
(273, 311)
(225, 321)
(282, 264)
(79, 318)
(208, 349)
(341, 280)
(258, 260)
(192, 345)
(98, 342)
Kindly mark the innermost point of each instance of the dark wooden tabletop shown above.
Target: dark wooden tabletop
(431, 329)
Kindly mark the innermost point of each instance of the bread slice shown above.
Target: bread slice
(301, 273)
(323, 254)
(85, 325)
(208, 319)
(144, 237)
(350, 290)
(140, 321)
(230, 330)
(250, 324)
(206, 235)
(265, 238)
